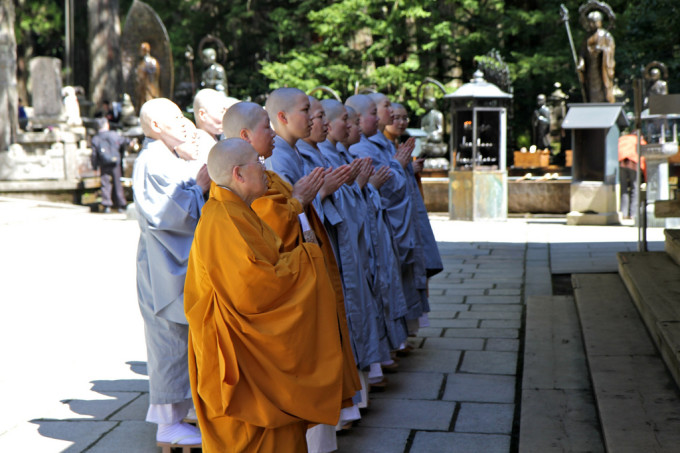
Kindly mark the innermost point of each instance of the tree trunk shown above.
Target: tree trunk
(105, 59)
(8, 76)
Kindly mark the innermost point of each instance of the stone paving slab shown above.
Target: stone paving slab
(102, 408)
(501, 323)
(502, 344)
(481, 388)
(81, 434)
(431, 361)
(429, 442)
(489, 362)
(136, 410)
(485, 418)
(458, 344)
(448, 322)
(410, 414)
(412, 386)
(478, 314)
(481, 333)
(363, 439)
(493, 300)
(493, 308)
(128, 437)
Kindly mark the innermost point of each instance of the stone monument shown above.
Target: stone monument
(8, 80)
(433, 148)
(45, 82)
(104, 41)
(596, 57)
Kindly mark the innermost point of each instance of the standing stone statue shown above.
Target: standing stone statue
(8, 79)
(596, 56)
(214, 76)
(433, 123)
(541, 124)
(148, 70)
(656, 84)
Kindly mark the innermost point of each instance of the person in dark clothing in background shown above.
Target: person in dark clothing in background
(107, 156)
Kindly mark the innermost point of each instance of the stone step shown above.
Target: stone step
(653, 281)
(558, 411)
(672, 244)
(637, 399)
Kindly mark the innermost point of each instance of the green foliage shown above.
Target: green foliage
(40, 25)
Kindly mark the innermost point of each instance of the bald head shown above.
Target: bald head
(209, 107)
(377, 97)
(159, 110)
(361, 103)
(333, 108)
(224, 156)
(244, 115)
(282, 100)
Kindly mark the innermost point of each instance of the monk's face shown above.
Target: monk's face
(353, 130)
(299, 120)
(319, 129)
(368, 121)
(255, 177)
(173, 130)
(262, 136)
(339, 128)
(211, 116)
(399, 122)
(385, 111)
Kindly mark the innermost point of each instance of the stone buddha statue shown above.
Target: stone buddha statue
(214, 76)
(433, 124)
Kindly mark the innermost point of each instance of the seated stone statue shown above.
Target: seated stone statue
(433, 123)
(214, 76)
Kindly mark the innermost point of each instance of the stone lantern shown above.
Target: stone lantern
(478, 179)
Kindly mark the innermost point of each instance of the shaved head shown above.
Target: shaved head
(159, 110)
(376, 97)
(282, 100)
(351, 113)
(209, 99)
(224, 156)
(332, 108)
(244, 115)
(361, 103)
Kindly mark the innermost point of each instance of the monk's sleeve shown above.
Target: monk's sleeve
(280, 211)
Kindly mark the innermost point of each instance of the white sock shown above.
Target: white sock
(178, 433)
(375, 373)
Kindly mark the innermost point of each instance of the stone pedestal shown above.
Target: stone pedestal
(594, 203)
(478, 195)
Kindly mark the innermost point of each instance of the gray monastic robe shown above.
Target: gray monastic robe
(168, 203)
(365, 314)
(386, 277)
(396, 202)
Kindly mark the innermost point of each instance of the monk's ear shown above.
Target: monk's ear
(281, 117)
(236, 173)
(245, 135)
(155, 126)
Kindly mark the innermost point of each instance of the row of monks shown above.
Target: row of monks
(273, 308)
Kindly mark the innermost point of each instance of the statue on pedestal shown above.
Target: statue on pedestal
(656, 83)
(541, 124)
(596, 56)
(214, 76)
(432, 122)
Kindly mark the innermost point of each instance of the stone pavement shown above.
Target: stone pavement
(74, 376)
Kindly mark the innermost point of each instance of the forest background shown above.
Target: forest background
(390, 46)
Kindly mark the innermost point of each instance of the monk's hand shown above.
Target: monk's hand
(418, 165)
(356, 168)
(307, 187)
(334, 180)
(365, 172)
(187, 150)
(403, 154)
(203, 179)
(380, 177)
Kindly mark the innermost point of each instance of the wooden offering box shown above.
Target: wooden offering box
(532, 160)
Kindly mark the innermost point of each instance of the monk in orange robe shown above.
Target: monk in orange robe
(264, 353)
(280, 207)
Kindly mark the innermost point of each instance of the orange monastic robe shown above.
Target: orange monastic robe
(264, 353)
(280, 211)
